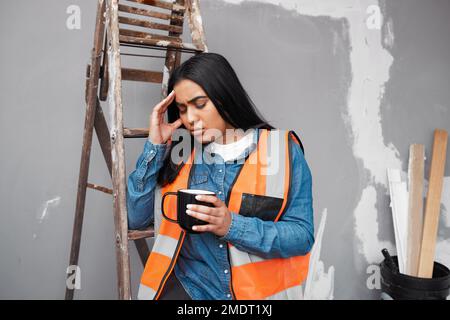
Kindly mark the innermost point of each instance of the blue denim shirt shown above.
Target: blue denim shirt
(203, 267)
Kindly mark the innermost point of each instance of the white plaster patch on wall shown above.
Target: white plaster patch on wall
(388, 39)
(367, 228)
(44, 212)
(445, 201)
(336, 41)
(370, 68)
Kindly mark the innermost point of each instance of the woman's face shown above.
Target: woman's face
(198, 113)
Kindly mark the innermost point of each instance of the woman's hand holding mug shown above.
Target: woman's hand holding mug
(217, 217)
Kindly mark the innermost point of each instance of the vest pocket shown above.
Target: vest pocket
(263, 207)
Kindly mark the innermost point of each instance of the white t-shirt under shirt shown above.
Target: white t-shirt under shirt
(231, 151)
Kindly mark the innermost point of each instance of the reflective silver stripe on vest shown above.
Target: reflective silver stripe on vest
(239, 258)
(165, 245)
(145, 293)
(276, 160)
(292, 293)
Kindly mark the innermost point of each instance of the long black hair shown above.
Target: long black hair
(214, 74)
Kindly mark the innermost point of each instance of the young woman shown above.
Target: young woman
(258, 233)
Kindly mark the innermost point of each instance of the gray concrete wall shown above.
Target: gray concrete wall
(359, 81)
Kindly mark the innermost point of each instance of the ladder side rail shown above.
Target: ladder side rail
(117, 151)
(196, 24)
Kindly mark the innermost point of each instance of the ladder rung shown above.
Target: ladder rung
(151, 25)
(141, 234)
(136, 75)
(145, 12)
(145, 35)
(100, 188)
(158, 43)
(141, 75)
(161, 4)
(135, 132)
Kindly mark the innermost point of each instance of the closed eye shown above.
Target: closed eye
(182, 109)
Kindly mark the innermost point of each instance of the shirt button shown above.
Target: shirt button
(228, 295)
(220, 170)
(220, 245)
(220, 192)
(225, 271)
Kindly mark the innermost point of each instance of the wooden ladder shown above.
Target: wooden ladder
(121, 23)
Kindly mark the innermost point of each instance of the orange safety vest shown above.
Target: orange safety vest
(256, 192)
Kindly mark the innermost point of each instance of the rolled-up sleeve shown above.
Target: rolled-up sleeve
(293, 234)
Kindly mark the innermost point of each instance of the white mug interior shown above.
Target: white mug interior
(197, 191)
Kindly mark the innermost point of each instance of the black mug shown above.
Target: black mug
(185, 197)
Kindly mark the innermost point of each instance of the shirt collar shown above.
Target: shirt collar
(243, 155)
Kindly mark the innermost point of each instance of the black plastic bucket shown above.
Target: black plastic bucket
(398, 286)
